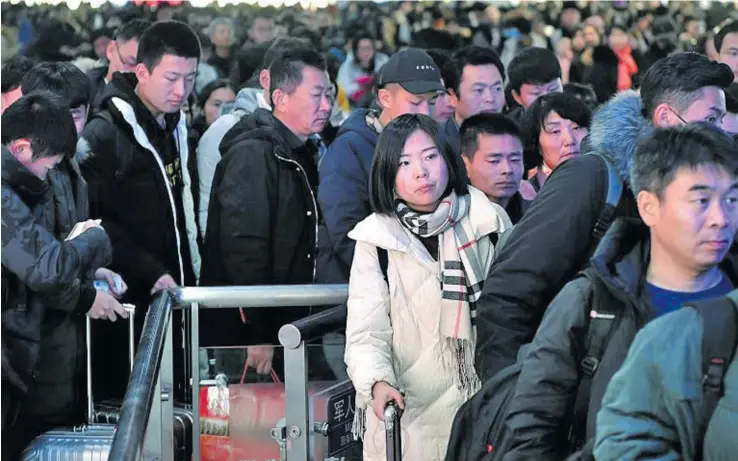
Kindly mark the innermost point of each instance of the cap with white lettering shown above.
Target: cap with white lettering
(414, 70)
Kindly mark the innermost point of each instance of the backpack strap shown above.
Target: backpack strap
(600, 326)
(719, 341)
(614, 192)
(383, 262)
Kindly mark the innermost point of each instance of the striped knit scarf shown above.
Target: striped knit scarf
(463, 275)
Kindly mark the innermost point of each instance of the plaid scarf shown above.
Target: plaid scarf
(463, 275)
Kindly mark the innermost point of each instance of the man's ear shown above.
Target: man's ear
(279, 99)
(384, 96)
(110, 50)
(516, 96)
(662, 116)
(648, 207)
(21, 149)
(467, 163)
(142, 73)
(264, 79)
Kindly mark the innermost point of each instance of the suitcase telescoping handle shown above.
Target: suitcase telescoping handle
(131, 309)
(392, 415)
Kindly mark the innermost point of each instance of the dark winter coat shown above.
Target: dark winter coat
(262, 224)
(46, 281)
(153, 232)
(344, 195)
(452, 136)
(543, 406)
(553, 240)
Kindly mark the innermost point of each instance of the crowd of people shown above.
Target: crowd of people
(521, 199)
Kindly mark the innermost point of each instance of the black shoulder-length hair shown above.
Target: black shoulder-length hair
(567, 105)
(386, 161)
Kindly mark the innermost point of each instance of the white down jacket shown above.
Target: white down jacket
(392, 333)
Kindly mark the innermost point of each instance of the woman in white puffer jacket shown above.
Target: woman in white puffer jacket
(411, 339)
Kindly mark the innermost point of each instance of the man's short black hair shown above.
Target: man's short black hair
(286, 72)
(583, 92)
(132, 29)
(387, 154)
(13, 71)
(490, 124)
(676, 79)
(567, 105)
(532, 66)
(61, 78)
(43, 118)
(729, 28)
(470, 56)
(658, 158)
(167, 37)
(442, 58)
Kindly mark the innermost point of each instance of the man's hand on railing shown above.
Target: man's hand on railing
(260, 358)
(165, 282)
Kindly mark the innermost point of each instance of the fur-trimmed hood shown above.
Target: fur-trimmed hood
(616, 129)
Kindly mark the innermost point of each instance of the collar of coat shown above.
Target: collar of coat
(387, 232)
(622, 258)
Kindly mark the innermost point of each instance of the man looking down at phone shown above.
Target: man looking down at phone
(47, 271)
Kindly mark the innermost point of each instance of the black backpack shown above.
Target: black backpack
(478, 431)
(719, 341)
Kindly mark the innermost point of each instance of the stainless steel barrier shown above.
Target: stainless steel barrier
(291, 336)
(136, 407)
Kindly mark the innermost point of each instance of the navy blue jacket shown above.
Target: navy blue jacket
(452, 135)
(343, 196)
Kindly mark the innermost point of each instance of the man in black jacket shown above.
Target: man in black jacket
(140, 187)
(47, 270)
(685, 180)
(121, 54)
(263, 213)
(555, 239)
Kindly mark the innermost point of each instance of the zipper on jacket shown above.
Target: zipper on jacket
(315, 207)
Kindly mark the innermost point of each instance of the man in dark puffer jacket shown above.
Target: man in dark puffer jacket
(46, 275)
(263, 213)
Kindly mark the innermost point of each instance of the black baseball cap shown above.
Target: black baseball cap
(414, 70)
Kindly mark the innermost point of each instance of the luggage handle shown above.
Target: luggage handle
(392, 415)
(131, 309)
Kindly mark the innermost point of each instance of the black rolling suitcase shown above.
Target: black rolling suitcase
(392, 415)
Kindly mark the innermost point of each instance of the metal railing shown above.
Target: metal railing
(148, 408)
(136, 406)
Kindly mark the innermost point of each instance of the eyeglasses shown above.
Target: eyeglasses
(718, 122)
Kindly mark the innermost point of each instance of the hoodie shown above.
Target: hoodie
(141, 189)
(263, 225)
(344, 193)
(554, 239)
